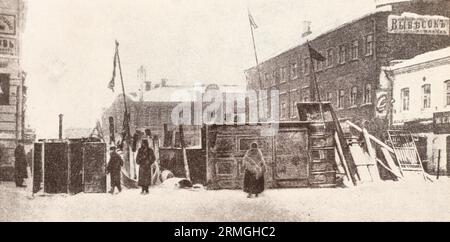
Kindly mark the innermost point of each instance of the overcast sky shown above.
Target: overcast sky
(68, 46)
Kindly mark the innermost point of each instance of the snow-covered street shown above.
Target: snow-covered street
(387, 201)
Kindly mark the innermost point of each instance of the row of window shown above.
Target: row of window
(345, 52)
(341, 95)
(425, 97)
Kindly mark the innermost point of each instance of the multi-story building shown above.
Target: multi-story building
(420, 90)
(163, 104)
(355, 52)
(12, 86)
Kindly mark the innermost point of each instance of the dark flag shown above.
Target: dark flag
(112, 82)
(315, 54)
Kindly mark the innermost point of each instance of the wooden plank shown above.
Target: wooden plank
(372, 156)
(341, 155)
(395, 169)
(389, 169)
(373, 138)
(362, 161)
(345, 147)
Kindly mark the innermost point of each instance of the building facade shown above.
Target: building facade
(421, 104)
(355, 53)
(12, 84)
(163, 104)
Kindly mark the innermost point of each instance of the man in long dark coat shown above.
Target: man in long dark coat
(114, 166)
(145, 158)
(20, 165)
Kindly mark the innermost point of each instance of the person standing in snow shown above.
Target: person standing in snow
(145, 158)
(114, 166)
(255, 168)
(20, 164)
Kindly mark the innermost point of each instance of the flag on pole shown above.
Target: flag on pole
(315, 54)
(112, 82)
(252, 21)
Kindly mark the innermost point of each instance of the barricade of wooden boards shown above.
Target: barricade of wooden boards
(364, 154)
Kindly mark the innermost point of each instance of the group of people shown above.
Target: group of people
(254, 164)
(145, 159)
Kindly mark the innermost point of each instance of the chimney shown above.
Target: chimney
(147, 86)
(164, 82)
(306, 28)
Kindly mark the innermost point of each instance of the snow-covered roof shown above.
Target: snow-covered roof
(169, 94)
(422, 58)
(184, 93)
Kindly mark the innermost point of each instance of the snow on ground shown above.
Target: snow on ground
(386, 201)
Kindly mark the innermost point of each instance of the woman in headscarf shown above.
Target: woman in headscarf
(255, 168)
(145, 158)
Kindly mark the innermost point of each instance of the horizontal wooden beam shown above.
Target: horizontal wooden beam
(373, 138)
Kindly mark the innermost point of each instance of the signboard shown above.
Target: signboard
(441, 123)
(381, 105)
(410, 23)
(7, 46)
(7, 24)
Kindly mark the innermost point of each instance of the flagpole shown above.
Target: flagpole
(257, 64)
(314, 83)
(126, 118)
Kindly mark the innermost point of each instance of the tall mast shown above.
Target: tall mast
(126, 115)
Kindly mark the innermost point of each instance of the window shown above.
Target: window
(274, 77)
(299, 65)
(329, 97)
(306, 66)
(340, 100)
(426, 96)
(320, 64)
(267, 81)
(368, 93)
(447, 86)
(330, 57)
(294, 109)
(283, 74)
(404, 97)
(342, 54)
(283, 110)
(294, 71)
(369, 44)
(353, 96)
(355, 50)
(305, 94)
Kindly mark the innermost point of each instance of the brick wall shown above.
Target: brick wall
(353, 73)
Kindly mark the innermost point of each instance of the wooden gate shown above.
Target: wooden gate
(94, 167)
(406, 152)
